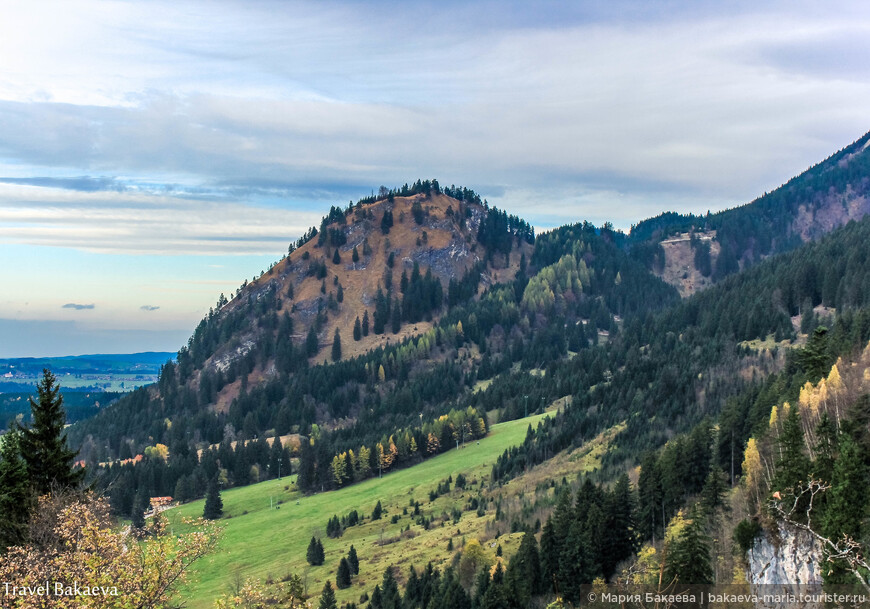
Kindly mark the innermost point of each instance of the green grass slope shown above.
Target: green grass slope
(263, 542)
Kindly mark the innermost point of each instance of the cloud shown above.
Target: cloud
(77, 306)
(149, 308)
(137, 222)
(253, 108)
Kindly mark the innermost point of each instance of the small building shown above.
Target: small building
(160, 502)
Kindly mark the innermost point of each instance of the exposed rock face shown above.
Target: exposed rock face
(784, 561)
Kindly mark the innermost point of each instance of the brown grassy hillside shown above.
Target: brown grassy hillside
(442, 243)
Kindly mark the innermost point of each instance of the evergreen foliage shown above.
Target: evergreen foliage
(15, 496)
(44, 444)
(214, 505)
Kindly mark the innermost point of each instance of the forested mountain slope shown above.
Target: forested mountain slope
(693, 251)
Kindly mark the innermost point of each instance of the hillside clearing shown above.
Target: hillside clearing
(263, 542)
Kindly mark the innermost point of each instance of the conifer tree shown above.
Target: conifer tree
(315, 555)
(214, 505)
(43, 444)
(336, 257)
(365, 323)
(576, 566)
(688, 557)
(847, 500)
(549, 555)
(353, 561)
(342, 577)
(391, 598)
(357, 329)
(327, 597)
(618, 540)
(649, 488)
(137, 517)
(336, 346)
(523, 575)
(311, 342)
(14, 492)
(355, 254)
(793, 466)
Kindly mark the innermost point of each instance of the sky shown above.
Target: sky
(156, 154)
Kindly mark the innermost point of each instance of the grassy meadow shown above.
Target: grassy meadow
(264, 542)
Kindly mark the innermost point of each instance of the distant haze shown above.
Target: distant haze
(156, 154)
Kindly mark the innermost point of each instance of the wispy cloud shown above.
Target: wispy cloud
(78, 307)
(145, 223)
(149, 308)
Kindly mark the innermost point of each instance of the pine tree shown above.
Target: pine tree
(339, 295)
(336, 346)
(336, 257)
(353, 561)
(365, 323)
(342, 577)
(357, 329)
(376, 513)
(214, 505)
(14, 492)
(355, 255)
(327, 597)
(43, 444)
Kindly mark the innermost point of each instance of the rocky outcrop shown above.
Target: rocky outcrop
(785, 560)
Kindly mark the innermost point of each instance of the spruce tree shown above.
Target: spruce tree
(576, 566)
(342, 577)
(793, 467)
(137, 516)
(524, 571)
(357, 329)
(14, 492)
(649, 488)
(618, 540)
(336, 257)
(214, 505)
(327, 597)
(43, 444)
(311, 342)
(336, 346)
(688, 557)
(392, 598)
(365, 323)
(847, 504)
(355, 255)
(311, 555)
(353, 561)
(550, 549)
